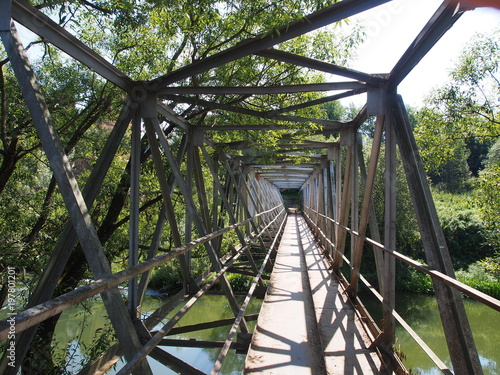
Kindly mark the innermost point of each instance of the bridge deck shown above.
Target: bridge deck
(305, 326)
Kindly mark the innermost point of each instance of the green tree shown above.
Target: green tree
(460, 119)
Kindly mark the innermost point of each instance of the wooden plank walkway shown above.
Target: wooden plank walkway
(305, 325)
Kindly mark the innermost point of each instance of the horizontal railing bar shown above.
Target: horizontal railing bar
(442, 367)
(36, 314)
(471, 292)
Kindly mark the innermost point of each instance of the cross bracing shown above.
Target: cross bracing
(246, 200)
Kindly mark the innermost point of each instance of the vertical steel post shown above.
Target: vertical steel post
(374, 230)
(354, 197)
(344, 210)
(135, 173)
(365, 209)
(191, 208)
(67, 240)
(389, 284)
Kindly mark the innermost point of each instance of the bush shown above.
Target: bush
(239, 283)
(462, 227)
(488, 200)
(482, 278)
(166, 277)
(408, 279)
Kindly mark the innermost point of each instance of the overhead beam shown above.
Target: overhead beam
(319, 101)
(31, 18)
(330, 124)
(262, 90)
(323, 17)
(300, 167)
(307, 62)
(444, 18)
(173, 117)
(291, 181)
(243, 127)
(285, 175)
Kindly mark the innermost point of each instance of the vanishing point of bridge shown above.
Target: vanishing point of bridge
(311, 320)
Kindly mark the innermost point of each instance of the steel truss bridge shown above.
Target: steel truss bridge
(246, 192)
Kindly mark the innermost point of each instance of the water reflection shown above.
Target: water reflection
(421, 313)
(79, 326)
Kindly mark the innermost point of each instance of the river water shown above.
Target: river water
(421, 313)
(209, 308)
(75, 333)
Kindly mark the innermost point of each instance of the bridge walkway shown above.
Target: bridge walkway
(306, 325)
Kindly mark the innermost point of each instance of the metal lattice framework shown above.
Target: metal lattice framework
(248, 193)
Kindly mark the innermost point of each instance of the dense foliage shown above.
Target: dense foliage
(458, 132)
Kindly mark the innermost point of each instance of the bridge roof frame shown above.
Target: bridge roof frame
(263, 46)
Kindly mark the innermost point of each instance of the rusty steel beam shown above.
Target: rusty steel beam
(319, 101)
(307, 62)
(266, 115)
(70, 191)
(314, 21)
(31, 18)
(442, 20)
(261, 90)
(208, 325)
(456, 326)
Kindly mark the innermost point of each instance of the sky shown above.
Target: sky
(392, 27)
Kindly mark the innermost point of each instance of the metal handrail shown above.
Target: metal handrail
(37, 314)
(156, 339)
(471, 292)
(440, 364)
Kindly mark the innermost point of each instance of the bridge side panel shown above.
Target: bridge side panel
(456, 326)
